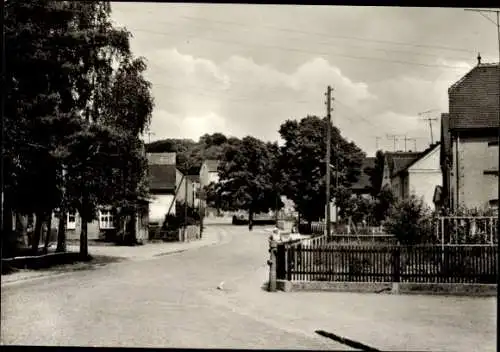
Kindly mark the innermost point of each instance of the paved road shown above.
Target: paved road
(172, 301)
(163, 302)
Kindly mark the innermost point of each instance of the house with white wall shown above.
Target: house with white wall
(470, 140)
(420, 177)
(163, 175)
(209, 172)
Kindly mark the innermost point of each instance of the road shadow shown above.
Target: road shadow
(345, 341)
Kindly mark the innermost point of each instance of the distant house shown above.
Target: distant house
(195, 190)
(363, 186)
(418, 175)
(469, 135)
(394, 163)
(163, 176)
(209, 172)
(188, 189)
(102, 228)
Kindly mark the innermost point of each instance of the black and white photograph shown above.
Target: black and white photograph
(249, 176)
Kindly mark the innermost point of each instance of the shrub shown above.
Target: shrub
(410, 221)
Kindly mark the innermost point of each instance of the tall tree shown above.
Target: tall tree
(303, 164)
(376, 173)
(39, 104)
(66, 107)
(245, 177)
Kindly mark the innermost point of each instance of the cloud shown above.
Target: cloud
(240, 97)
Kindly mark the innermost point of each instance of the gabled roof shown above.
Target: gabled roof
(364, 181)
(469, 74)
(212, 165)
(399, 161)
(161, 158)
(474, 99)
(422, 155)
(162, 177)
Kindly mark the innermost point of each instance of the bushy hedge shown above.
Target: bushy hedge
(411, 221)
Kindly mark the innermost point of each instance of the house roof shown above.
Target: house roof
(419, 157)
(193, 178)
(161, 158)
(162, 177)
(399, 161)
(474, 99)
(364, 181)
(212, 165)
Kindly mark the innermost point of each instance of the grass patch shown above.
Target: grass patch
(68, 261)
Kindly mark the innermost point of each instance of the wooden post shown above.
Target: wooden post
(396, 257)
(491, 230)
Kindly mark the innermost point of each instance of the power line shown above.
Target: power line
(331, 36)
(309, 52)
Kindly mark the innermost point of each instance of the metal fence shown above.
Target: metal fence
(467, 230)
(389, 263)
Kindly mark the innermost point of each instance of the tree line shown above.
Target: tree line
(254, 174)
(76, 105)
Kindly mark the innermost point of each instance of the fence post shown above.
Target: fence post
(289, 255)
(396, 267)
(272, 266)
(280, 261)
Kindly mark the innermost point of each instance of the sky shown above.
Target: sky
(244, 69)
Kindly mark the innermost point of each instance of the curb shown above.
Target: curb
(473, 290)
(219, 239)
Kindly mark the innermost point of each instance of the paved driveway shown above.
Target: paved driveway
(173, 301)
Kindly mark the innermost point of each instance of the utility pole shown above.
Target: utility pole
(2, 116)
(497, 24)
(328, 155)
(430, 120)
(376, 142)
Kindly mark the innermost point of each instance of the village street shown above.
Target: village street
(173, 301)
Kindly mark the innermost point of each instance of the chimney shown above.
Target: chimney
(478, 59)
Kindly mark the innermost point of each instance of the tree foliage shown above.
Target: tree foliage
(190, 154)
(246, 177)
(376, 173)
(72, 118)
(410, 221)
(303, 164)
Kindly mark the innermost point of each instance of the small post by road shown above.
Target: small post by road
(273, 245)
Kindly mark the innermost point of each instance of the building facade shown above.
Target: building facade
(470, 140)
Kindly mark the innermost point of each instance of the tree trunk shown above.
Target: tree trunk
(22, 229)
(84, 250)
(39, 218)
(250, 220)
(8, 236)
(133, 228)
(61, 232)
(49, 232)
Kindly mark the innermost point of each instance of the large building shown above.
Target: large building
(469, 134)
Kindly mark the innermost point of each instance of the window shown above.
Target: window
(106, 220)
(71, 221)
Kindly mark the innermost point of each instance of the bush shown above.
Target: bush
(410, 221)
